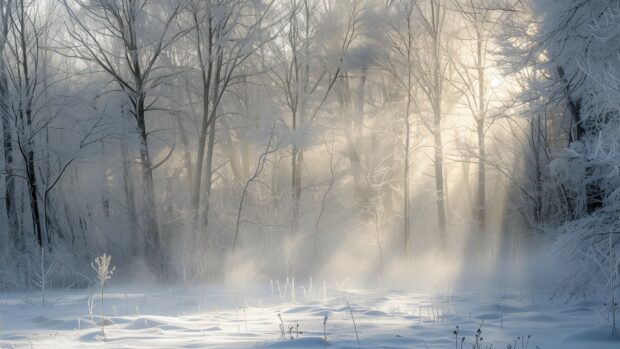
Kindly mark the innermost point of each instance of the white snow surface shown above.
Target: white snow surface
(227, 317)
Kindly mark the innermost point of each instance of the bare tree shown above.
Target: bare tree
(433, 66)
(113, 36)
(298, 77)
(333, 176)
(400, 62)
(227, 33)
(258, 170)
(25, 118)
(7, 129)
(481, 18)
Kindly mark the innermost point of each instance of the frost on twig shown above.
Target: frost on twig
(104, 272)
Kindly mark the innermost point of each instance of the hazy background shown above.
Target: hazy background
(374, 142)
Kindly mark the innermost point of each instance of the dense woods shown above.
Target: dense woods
(189, 138)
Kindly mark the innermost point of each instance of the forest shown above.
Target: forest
(230, 148)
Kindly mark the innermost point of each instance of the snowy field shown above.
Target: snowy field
(219, 317)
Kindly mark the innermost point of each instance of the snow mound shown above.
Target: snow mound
(144, 323)
(308, 342)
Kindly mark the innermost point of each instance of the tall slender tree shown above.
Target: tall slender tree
(432, 74)
(305, 86)
(96, 30)
(225, 34)
(26, 29)
(10, 200)
(401, 64)
(481, 18)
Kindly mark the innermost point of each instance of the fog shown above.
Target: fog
(396, 144)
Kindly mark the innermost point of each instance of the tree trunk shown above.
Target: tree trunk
(152, 246)
(481, 205)
(295, 181)
(297, 157)
(33, 197)
(7, 135)
(392, 175)
(211, 123)
(207, 118)
(202, 138)
(406, 171)
(31, 176)
(209, 172)
(361, 188)
(437, 110)
(25, 133)
(481, 214)
(297, 161)
(128, 188)
(215, 97)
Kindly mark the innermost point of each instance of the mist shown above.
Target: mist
(258, 148)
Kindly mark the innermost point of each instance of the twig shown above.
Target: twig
(354, 326)
(281, 326)
(325, 331)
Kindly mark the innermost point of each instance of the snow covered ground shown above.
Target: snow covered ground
(220, 317)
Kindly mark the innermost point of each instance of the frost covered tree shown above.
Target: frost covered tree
(25, 87)
(480, 21)
(10, 237)
(433, 66)
(304, 76)
(126, 39)
(573, 58)
(102, 266)
(7, 134)
(173, 130)
(225, 34)
(402, 33)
